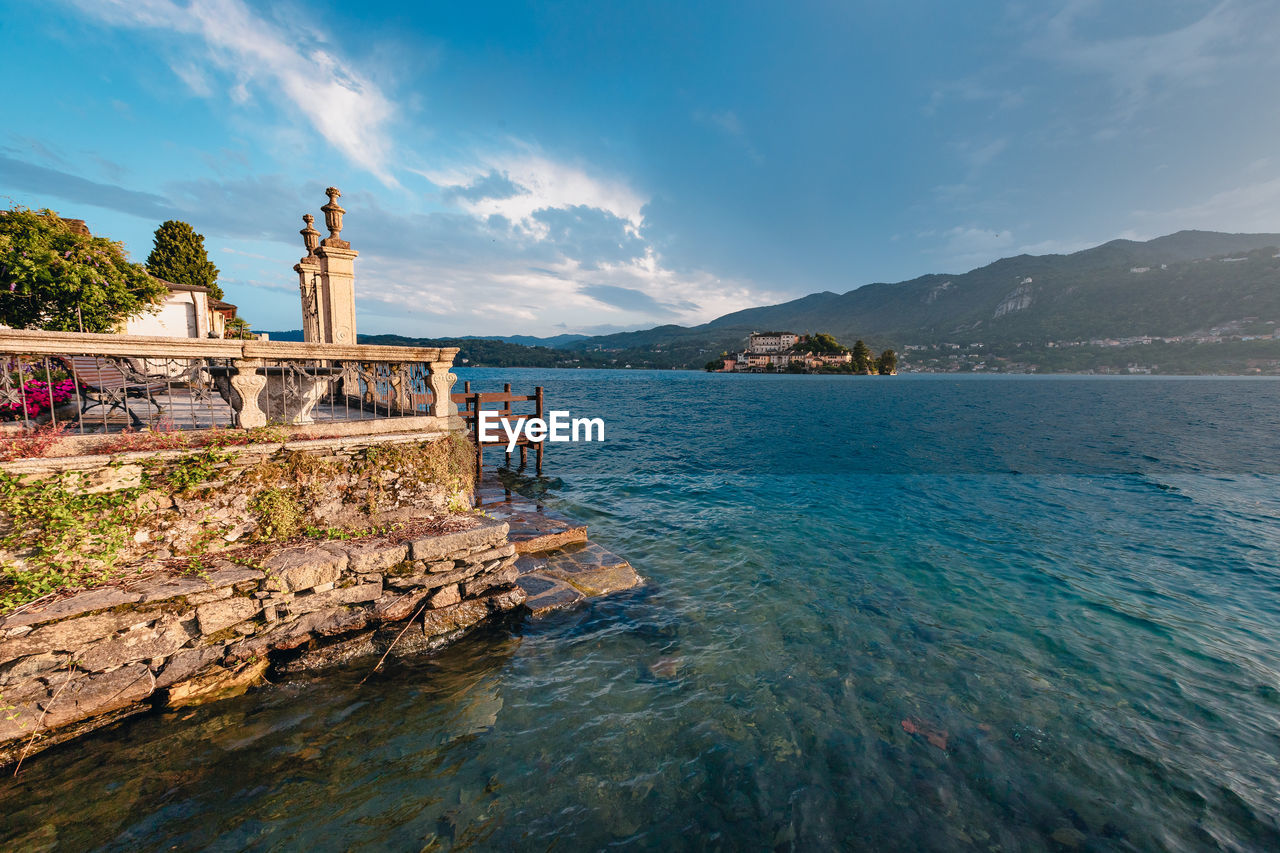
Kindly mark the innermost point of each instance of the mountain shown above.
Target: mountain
(554, 342)
(1088, 294)
(1208, 298)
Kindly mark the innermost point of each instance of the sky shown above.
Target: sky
(550, 168)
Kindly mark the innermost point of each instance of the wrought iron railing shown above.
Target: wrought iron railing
(92, 383)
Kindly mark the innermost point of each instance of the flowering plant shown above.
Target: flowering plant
(37, 396)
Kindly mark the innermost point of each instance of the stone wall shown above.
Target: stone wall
(175, 503)
(171, 639)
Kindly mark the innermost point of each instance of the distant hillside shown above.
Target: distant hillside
(486, 352)
(1087, 294)
(555, 342)
(1210, 298)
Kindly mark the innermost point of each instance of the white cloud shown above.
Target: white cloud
(345, 107)
(551, 240)
(1136, 66)
(1252, 207)
(546, 185)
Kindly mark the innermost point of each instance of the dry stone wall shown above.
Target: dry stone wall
(171, 639)
(194, 502)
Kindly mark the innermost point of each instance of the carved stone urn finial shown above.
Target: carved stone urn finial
(310, 236)
(333, 214)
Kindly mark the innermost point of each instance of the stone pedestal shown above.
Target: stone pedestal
(289, 398)
(337, 294)
(246, 385)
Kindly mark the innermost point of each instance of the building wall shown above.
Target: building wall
(183, 314)
(772, 343)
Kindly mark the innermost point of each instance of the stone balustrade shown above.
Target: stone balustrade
(119, 381)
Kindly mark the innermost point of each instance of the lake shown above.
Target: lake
(913, 612)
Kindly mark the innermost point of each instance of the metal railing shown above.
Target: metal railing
(92, 383)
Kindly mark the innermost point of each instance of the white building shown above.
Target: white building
(188, 311)
(766, 342)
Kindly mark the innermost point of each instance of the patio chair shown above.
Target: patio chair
(103, 382)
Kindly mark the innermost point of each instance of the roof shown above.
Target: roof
(219, 305)
(183, 288)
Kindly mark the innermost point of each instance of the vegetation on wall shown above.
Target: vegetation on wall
(57, 532)
(54, 524)
(55, 277)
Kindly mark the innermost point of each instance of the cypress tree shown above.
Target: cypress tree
(862, 359)
(179, 256)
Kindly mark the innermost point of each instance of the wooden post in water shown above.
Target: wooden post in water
(537, 393)
(506, 411)
(475, 413)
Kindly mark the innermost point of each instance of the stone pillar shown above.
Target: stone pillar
(308, 270)
(246, 385)
(441, 380)
(338, 280)
(337, 276)
(327, 279)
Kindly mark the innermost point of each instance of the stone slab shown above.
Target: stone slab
(72, 634)
(140, 643)
(24, 669)
(218, 615)
(591, 569)
(433, 581)
(486, 534)
(333, 597)
(186, 664)
(375, 556)
(74, 605)
(90, 695)
(216, 683)
(545, 594)
(168, 586)
(502, 575)
(301, 568)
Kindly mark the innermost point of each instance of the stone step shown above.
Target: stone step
(545, 594)
(534, 527)
(565, 576)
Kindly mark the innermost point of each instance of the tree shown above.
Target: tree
(238, 329)
(56, 278)
(862, 360)
(887, 363)
(179, 256)
(820, 344)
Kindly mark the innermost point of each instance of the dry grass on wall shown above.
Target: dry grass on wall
(84, 529)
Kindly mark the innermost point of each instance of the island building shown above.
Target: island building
(778, 351)
(187, 311)
(767, 342)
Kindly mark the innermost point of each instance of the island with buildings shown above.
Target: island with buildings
(789, 352)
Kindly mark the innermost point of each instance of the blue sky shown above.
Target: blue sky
(515, 168)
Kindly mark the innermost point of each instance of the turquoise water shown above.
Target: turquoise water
(901, 613)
